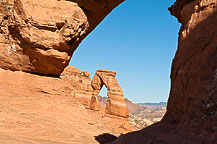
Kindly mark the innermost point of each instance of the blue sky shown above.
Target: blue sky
(138, 40)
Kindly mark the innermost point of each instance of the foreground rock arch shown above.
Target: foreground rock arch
(116, 104)
(40, 36)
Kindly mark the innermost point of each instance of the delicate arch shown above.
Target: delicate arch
(116, 104)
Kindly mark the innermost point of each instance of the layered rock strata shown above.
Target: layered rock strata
(80, 83)
(41, 36)
(86, 91)
(194, 69)
(116, 104)
(192, 107)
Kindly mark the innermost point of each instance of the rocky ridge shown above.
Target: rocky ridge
(141, 116)
(145, 117)
(154, 105)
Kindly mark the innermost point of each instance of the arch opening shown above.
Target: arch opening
(102, 96)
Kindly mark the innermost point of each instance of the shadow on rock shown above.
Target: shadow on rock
(105, 138)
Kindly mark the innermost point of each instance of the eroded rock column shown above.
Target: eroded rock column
(97, 85)
(116, 103)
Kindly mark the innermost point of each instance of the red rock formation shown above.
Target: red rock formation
(116, 104)
(193, 76)
(192, 107)
(86, 92)
(80, 83)
(38, 110)
(132, 108)
(41, 36)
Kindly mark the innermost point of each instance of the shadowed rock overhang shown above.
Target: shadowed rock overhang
(41, 36)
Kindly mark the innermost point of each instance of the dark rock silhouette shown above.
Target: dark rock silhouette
(105, 138)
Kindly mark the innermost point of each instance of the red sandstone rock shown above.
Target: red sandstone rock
(86, 92)
(191, 116)
(38, 110)
(132, 108)
(116, 104)
(80, 83)
(193, 93)
(40, 36)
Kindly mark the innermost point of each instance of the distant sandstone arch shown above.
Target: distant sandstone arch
(116, 104)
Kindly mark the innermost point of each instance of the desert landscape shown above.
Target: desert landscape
(44, 100)
(141, 115)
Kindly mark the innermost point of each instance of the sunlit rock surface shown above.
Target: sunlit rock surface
(116, 104)
(40, 36)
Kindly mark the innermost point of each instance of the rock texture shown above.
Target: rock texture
(116, 104)
(40, 36)
(145, 117)
(132, 107)
(80, 83)
(139, 123)
(86, 91)
(192, 107)
(140, 115)
(194, 69)
(40, 110)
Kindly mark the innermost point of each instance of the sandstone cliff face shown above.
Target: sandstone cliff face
(41, 36)
(192, 107)
(116, 104)
(193, 95)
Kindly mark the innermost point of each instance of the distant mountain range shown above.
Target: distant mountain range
(154, 105)
(134, 107)
(160, 103)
